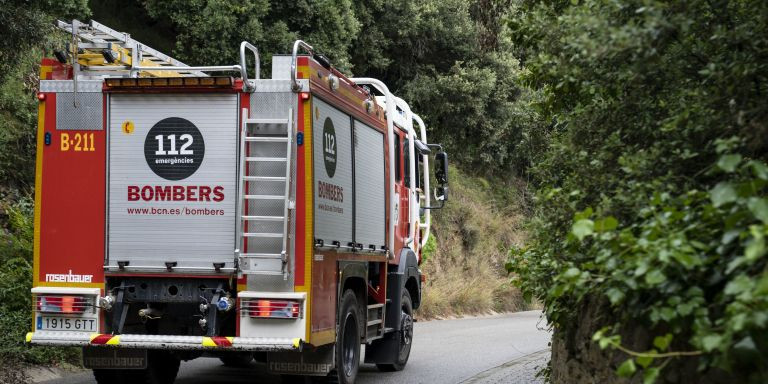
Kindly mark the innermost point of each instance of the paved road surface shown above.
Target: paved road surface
(445, 352)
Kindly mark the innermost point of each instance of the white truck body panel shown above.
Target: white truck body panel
(332, 147)
(370, 209)
(196, 230)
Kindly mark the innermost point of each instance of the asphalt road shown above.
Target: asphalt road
(444, 351)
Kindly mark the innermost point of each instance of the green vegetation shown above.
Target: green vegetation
(650, 195)
(27, 27)
(15, 299)
(465, 272)
(639, 126)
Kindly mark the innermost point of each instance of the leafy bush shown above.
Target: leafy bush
(657, 116)
(15, 299)
(693, 265)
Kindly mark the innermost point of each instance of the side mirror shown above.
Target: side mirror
(441, 194)
(441, 176)
(441, 168)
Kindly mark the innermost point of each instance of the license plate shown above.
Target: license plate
(61, 323)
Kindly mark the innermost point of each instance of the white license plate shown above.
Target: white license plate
(62, 323)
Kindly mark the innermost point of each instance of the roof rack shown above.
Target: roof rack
(104, 52)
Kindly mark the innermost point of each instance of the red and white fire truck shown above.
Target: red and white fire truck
(180, 214)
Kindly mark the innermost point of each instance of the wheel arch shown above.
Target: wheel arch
(353, 275)
(411, 275)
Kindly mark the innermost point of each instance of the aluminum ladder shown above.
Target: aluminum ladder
(264, 205)
(127, 55)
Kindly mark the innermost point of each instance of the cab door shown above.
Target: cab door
(411, 188)
(402, 193)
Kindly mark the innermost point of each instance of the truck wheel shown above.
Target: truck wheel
(107, 376)
(347, 341)
(238, 360)
(162, 368)
(405, 336)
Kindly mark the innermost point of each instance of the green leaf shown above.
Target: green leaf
(667, 313)
(711, 342)
(686, 259)
(585, 214)
(606, 224)
(599, 334)
(759, 208)
(644, 361)
(729, 163)
(746, 345)
(738, 285)
(557, 290)
(759, 169)
(655, 277)
(615, 295)
(730, 236)
(722, 193)
(662, 342)
(762, 284)
(738, 321)
(685, 309)
(735, 263)
(650, 375)
(583, 228)
(755, 249)
(642, 268)
(627, 368)
(571, 273)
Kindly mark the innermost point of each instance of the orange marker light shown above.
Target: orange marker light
(67, 303)
(264, 308)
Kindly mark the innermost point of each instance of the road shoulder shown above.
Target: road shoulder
(522, 370)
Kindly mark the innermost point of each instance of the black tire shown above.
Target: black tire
(108, 376)
(404, 337)
(294, 379)
(347, 341)
(237, 359)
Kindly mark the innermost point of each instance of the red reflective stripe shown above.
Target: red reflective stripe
(101, 339)
(221, 341)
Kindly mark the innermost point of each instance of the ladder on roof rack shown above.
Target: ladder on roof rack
(103, 51)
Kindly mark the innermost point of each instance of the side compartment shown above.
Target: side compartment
(70, 185)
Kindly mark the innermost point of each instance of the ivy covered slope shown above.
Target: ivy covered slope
(651, 214)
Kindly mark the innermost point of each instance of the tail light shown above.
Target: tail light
(62, 304)
(271, 308)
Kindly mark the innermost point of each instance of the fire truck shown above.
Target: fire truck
(185, 212)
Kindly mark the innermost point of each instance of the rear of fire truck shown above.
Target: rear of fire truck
(180, 214)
